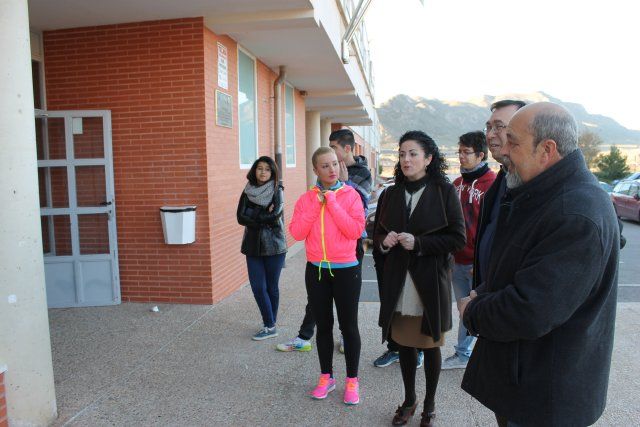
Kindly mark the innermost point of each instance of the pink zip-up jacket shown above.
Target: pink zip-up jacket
(330, 229)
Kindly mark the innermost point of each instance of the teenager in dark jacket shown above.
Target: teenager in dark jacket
(545, 313)
(264, 243)
(419, 223)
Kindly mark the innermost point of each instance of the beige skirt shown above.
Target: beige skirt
(405, 330)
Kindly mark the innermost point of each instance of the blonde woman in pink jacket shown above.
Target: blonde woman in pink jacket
(330, 219)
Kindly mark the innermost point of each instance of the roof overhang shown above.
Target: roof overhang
(301, 35)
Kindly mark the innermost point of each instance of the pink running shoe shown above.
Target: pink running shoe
(351, 391)
(325, 385)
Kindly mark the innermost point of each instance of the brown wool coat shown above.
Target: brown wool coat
(438, 226)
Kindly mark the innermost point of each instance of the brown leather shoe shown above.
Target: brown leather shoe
(403, 414)
(428, 419)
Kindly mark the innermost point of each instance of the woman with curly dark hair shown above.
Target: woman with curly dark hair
(419, 224)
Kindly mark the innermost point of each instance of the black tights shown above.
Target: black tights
(342, 287)
(432, 365)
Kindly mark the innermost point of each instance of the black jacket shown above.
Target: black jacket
(438, 226)
(546, 321)
(264, 229)
(486, 204)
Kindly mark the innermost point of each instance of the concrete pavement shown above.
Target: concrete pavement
(197, 366)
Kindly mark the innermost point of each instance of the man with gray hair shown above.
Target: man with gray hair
(545, 314)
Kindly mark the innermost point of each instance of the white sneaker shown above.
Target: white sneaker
(296, 344)
(454, 362)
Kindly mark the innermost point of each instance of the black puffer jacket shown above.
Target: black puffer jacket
(264, 229)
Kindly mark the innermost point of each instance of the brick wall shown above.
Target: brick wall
(151, 76)
(159, 81)
(3, 403)
(226, 178)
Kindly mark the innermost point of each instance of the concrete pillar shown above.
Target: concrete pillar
(325, 131)
(25, 346)
(312, 120)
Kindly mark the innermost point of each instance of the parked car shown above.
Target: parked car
(371, 209)
(606, 187)
(371, 216)
(633, 177)
(626, 199)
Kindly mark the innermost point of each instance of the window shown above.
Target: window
(247, 110)
(289, 126)
(622, 188)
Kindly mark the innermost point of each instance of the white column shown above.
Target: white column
(312, 123)
(325, 131)
(25, 346)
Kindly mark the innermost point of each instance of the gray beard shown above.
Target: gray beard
(513, 180)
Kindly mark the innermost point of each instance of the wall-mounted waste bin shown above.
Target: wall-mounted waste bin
(178, 224)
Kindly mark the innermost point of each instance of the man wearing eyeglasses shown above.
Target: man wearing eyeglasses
(475, 180)
(495, 130)
(545, 315)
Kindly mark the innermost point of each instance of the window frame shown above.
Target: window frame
(255, 109)
(293, 119)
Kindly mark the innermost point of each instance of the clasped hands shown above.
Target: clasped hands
(406, 240)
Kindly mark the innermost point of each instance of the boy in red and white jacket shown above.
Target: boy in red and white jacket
(471, 186)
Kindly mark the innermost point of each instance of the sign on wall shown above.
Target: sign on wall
(224, 109)
(223, 70)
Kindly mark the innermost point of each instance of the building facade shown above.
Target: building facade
(140, 106)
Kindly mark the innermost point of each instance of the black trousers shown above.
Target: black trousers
(343, 289)
(308, 323)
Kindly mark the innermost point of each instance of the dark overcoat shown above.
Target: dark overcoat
(545, 316)
(438, 226)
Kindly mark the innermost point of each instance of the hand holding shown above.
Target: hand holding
(344, 173)
(407, 241)
(473, 294)
(391, 240)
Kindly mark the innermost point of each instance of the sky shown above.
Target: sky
(585, 51)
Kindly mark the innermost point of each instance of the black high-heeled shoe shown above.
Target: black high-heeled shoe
(427, 419)
(403, 413)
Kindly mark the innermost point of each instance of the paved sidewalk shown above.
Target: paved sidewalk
(197, 366)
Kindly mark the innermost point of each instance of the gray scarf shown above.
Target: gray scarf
(260, 195)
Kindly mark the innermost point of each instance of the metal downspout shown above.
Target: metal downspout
(277, 117)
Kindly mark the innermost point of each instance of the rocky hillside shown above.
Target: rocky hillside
(446, 120)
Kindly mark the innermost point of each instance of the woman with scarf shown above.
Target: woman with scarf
(330, 219)
(264, 243)
(419, 223)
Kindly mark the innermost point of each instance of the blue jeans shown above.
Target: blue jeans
(264, 275)
(462, 281)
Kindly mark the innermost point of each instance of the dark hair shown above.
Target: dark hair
(437, 169)
(343, 137)
(507, 103)
(251, 175)
(476, 140)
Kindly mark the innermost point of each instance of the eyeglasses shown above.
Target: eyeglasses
(466, 153)
(496, 128)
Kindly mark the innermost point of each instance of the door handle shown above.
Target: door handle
(105, 203)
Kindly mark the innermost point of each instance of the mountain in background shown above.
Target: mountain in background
(445, 121)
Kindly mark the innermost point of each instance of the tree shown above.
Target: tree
(589, 143)
(612, 166)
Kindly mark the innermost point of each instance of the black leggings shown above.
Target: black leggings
(343, 289)
(432, 365)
